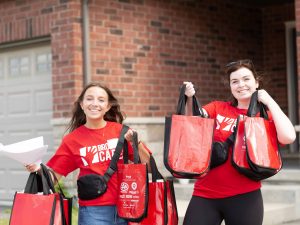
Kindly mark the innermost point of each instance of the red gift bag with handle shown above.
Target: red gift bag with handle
(162, 209)
(256, 152)
(188, 140)
(133, 186)
(33, 208)
(67, 201)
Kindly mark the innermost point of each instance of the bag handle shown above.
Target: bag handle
(156, 175)
(136, 157)
(46, 174)
(196, 106)
(113, 163)
(37, 183)
(49, 171)
(255, 106)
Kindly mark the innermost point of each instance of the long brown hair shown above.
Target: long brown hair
(234, 66)
(114, 114)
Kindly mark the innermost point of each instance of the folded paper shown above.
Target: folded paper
(26, 152)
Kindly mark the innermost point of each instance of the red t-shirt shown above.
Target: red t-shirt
(224, 180)
(91, 151)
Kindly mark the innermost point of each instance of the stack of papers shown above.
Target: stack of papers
(26, 152)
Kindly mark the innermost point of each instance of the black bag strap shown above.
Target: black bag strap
(196, 106)
(230, 140)
(39, 182)
(34, 184)
(113, 163)
(50, 171)
(156, 175)
(45, 171)
(255, 106)
(136, 158)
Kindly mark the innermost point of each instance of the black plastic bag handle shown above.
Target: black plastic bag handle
(136, 157)
(196, 106)
(156, 175)
(255, 107)
(39, 182)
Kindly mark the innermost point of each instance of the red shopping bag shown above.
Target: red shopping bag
(262, 146)
(133, 187)
(239, 151)
(255, 152)
(37, 208)
(67, 208)
(171, 204)
(188, 141)
(162, 209)
(67, 201)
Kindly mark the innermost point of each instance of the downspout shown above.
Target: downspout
(86, 65)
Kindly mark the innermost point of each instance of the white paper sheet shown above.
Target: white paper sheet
(26, 152)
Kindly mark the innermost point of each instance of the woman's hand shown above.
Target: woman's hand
(285, 130)
(33, 167)
(129, 135)
(189, 89)
(264, 97)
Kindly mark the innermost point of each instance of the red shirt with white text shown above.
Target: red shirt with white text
(91, 151)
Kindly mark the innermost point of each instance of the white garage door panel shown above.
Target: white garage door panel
(18, 104)
(1, 105)
(25, 108)
(42, 99)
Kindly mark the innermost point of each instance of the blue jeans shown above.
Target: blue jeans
(99, 215)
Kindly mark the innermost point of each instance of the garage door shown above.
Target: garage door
(25, 108)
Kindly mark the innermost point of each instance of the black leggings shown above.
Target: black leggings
(244, 209)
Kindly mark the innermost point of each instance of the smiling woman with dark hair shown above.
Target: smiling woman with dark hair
(224, 193)
(94, 131)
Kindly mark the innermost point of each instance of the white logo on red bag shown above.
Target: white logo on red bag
(124, 187)
(134, 185)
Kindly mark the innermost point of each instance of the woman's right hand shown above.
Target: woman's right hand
(33, 167)
(189, 89)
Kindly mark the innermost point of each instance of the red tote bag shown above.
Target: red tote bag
(133, 187)
(188, 141)
(34, 209)
(256, 153)
(67, 201)
(37, 209)
(171, 203)
(239, 151)
(162, 209)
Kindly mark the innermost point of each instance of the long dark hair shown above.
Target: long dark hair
(114, 114)
(235, 65)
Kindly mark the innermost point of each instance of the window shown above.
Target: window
(43, 63)
(19, 66)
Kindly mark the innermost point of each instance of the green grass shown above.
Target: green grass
(4, 221)
(74, 216)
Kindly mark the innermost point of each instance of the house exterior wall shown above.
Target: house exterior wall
(144, 49)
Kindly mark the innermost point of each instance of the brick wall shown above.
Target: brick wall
(274, 50)
(143, 50)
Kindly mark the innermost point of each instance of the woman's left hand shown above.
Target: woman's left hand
(129, 135)
(33, 167)
(264, 97)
